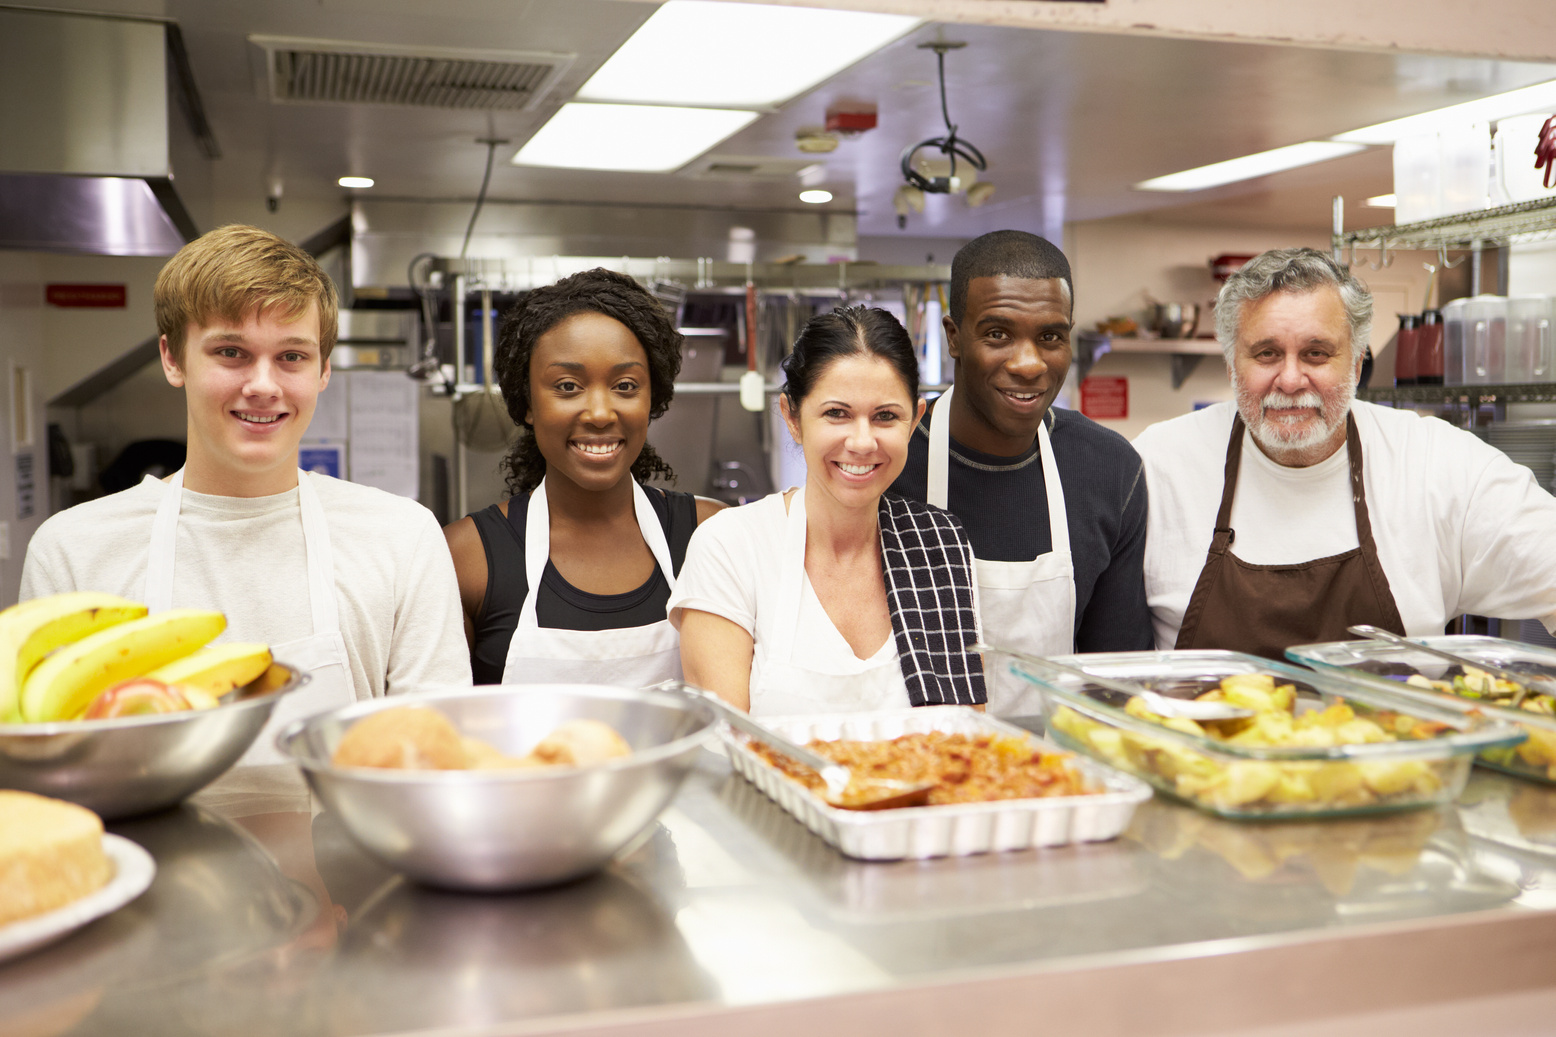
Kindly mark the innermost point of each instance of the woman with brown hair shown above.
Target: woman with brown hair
(837, 596)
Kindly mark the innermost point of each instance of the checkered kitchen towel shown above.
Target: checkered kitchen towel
(930, 587)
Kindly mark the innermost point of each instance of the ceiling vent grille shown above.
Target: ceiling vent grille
(747, 167)
(330, 72)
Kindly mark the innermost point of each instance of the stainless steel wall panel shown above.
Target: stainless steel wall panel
(102, 215)
(83, 95)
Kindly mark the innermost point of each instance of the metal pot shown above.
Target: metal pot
(1173, 319)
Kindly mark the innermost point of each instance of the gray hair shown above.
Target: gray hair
(1292, 270)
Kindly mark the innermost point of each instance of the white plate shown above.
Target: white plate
(133, 869)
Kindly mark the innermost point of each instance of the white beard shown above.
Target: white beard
(1288, 441)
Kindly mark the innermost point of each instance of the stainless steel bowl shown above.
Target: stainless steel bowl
(486, 830)
(1173, 319)
(134, 765)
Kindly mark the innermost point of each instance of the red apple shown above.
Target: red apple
(136, 697)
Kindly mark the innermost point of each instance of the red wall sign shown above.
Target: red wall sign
(86, 296)
(1104, 399)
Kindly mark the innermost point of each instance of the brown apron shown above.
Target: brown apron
(1262, 609)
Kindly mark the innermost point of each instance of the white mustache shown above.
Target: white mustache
(1276, 400)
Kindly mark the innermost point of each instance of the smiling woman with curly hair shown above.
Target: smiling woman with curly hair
(567, 580)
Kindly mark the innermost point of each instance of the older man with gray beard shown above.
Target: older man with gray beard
(1297, 512)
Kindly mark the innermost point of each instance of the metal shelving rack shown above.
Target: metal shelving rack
(1517, 224)
(1462, 395)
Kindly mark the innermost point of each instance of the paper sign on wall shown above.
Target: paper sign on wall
(86, 296)
(25, 487)
(1105, 399)
(383, 416)
(330, 418)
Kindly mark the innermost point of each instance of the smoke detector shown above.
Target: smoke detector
(747, 167)
(815, 140)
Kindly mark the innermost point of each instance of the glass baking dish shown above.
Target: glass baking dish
(1251, 781)
(1391, 665)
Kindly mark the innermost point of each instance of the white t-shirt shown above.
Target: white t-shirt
(1272, 501)
(733, 569)
(394, 579)
(1459, 526)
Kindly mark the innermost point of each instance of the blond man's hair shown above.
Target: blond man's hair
(234, 271)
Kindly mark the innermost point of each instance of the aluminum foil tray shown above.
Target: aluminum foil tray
(950, 830)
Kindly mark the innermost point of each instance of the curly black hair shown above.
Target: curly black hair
(594, 291)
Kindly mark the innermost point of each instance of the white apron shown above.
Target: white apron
(1027, 606)
(781, 685)
(322, 655)
(633, 657)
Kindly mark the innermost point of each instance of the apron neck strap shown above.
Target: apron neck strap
(537, 544)
(1224, 534)
(321, 557)
(1058, 514)
(316, 543)
(1353, 447)
(791, 578)
(164, 545)
(937, 485)
(1222, 538)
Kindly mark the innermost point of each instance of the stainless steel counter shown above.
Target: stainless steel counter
(730, 917)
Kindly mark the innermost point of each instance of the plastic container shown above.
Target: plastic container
(1389, 665)
(946, 830)
(1516, 139)
(1466, 165)
(1485, 340)
(1417, 178)
(1529, 338)
(1405, 349)
(1261, 782)
(1430, 346)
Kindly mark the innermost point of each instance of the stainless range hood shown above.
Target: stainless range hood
(88, 131)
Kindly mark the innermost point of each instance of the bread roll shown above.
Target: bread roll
(409, 737)
(580, 743)
(482, 756)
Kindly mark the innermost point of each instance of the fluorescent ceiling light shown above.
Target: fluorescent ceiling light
(628, 137)
(737, 55)
(1381, 201)
(355, 181)
(816, 197)
(1540, 97)
(1250, 166)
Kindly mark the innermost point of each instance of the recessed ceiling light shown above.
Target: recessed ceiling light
(816, 197)
(738, 55)
(1381, 201)
(1540, 97)
(355, 181)
(1249, 166)
(628, 137)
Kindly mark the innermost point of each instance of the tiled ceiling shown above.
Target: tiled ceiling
(1068, 120)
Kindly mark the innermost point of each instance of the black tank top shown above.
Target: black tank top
(560, 605)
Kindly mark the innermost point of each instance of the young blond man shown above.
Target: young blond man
(351, 583)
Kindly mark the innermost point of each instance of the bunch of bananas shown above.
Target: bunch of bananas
(86, 654)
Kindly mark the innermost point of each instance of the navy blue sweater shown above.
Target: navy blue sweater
(1003, 505)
